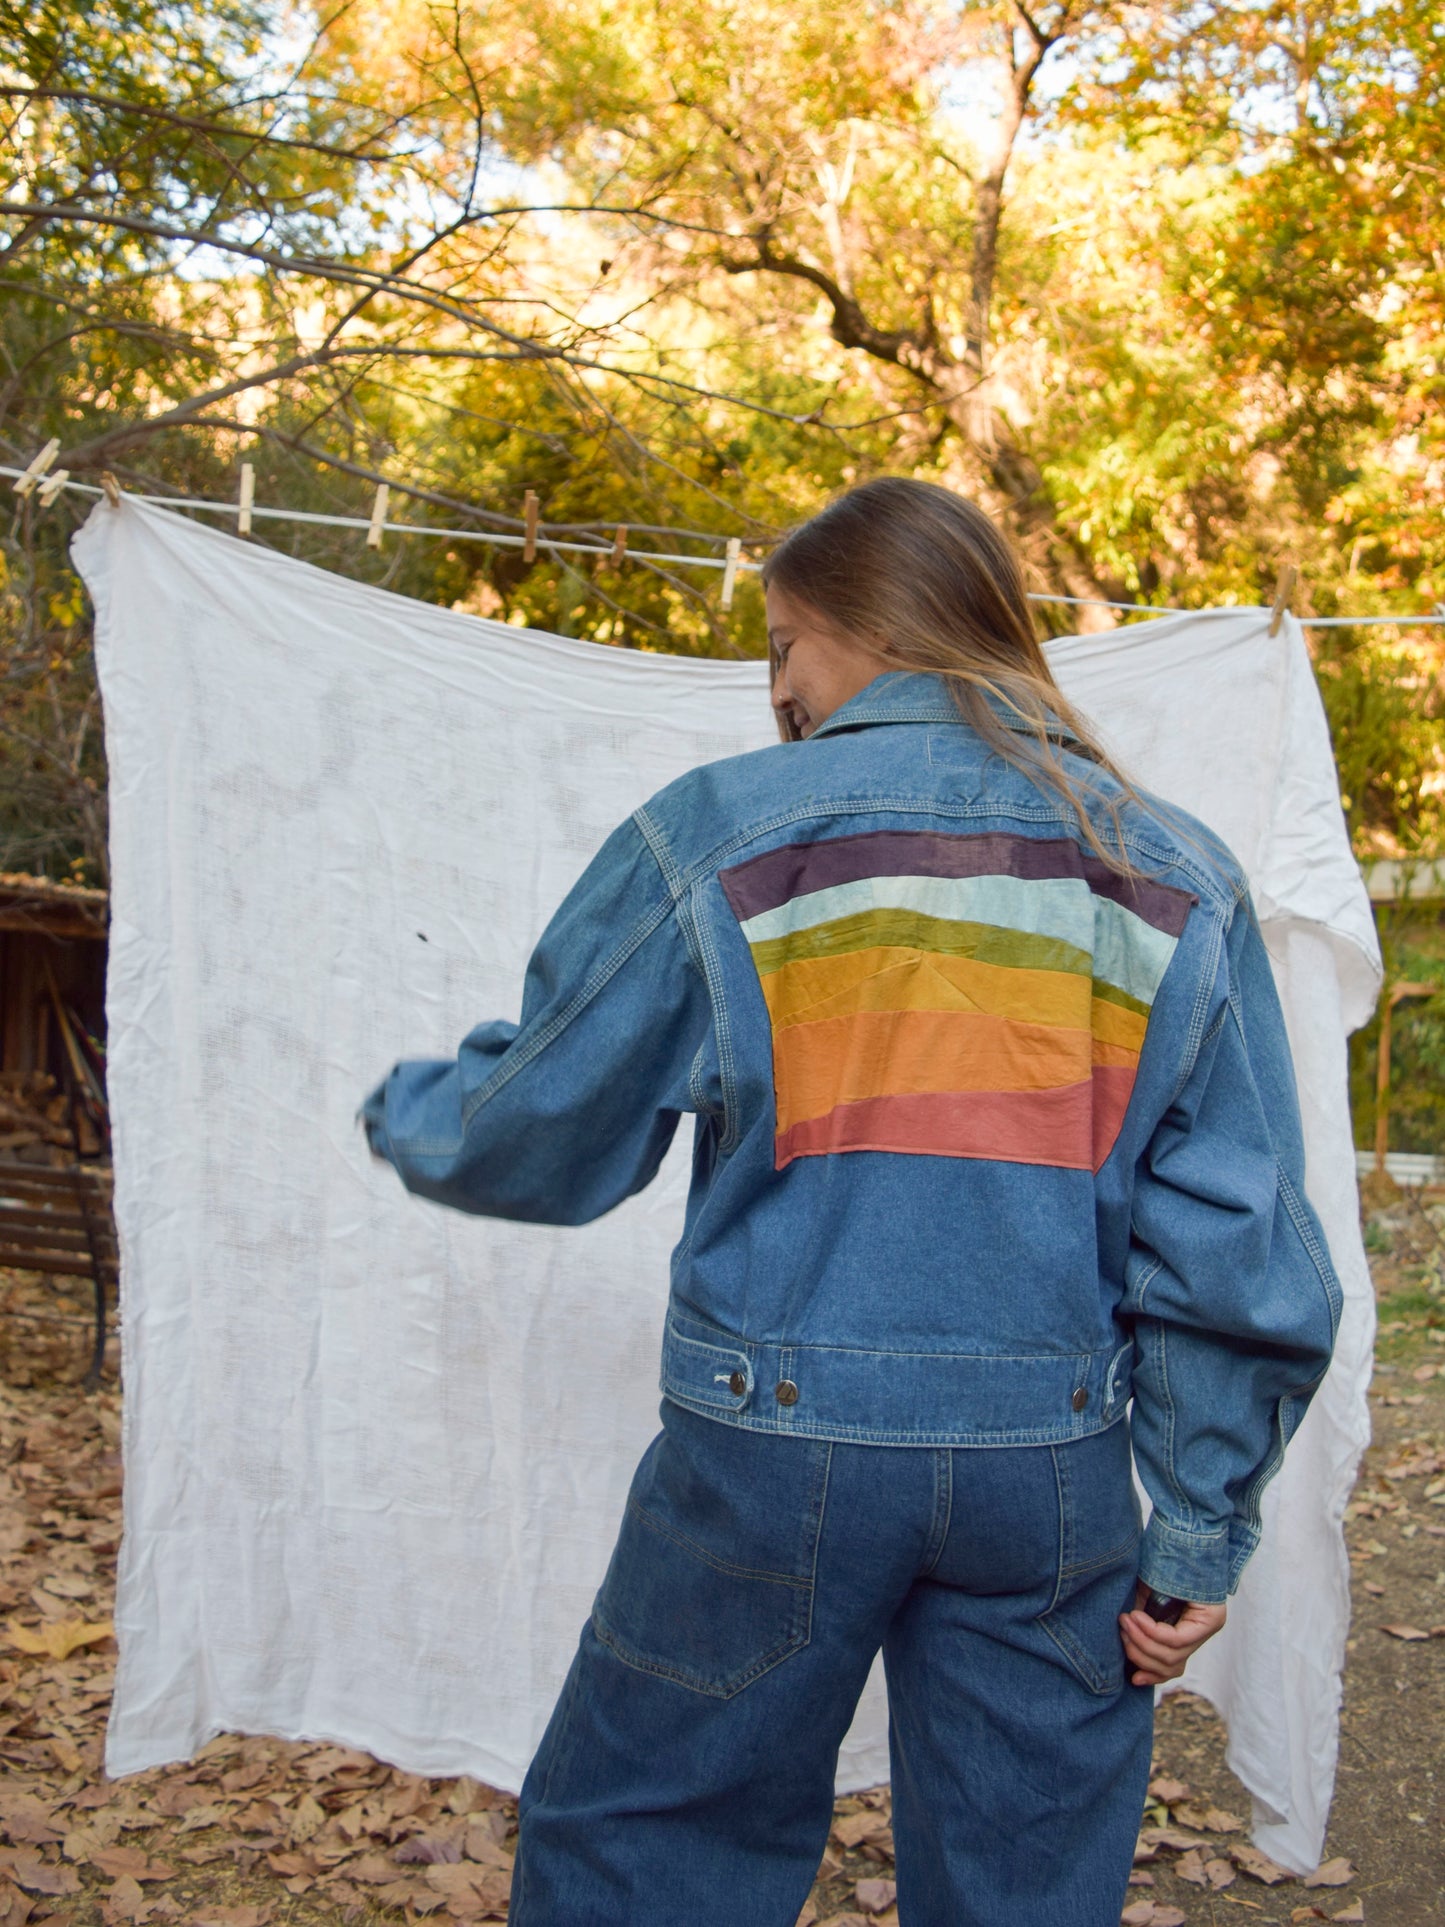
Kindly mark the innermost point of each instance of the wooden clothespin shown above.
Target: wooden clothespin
(378, 516)
(27, 482)
(529, 517)
(1283, 590)
(52, 485)
(619, 547)
(111, 488)
(730, 570)
(248, 497)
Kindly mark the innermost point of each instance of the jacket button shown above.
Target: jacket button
(787, 1393)
(1080, 1399)
(737, 1384)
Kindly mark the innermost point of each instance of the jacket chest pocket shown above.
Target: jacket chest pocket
(711, 1580)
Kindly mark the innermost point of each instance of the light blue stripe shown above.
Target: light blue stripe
(1128, 953)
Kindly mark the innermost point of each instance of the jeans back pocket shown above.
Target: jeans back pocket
(1098, 1555)
(711, 1580)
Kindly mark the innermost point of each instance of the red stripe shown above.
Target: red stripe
(1113, 1087)
(1073, 1126)
(1016, 1127)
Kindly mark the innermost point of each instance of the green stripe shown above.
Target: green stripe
(1111, 994)
(874, 929)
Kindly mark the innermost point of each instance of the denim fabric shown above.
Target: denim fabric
(893, 1244)
(686, 1777)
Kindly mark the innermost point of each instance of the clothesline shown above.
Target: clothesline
(541, 540)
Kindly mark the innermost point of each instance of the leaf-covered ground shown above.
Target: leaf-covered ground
(255, 1832)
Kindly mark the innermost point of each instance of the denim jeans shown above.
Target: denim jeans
(686, 1776)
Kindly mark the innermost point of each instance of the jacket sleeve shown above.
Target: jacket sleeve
(558, 1118)
(1232, 1296)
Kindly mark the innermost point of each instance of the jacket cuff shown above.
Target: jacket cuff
(1182, 1564)
(372, 1118)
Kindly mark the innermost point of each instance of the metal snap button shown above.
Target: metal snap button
(787, 1393)
(737, 1384)
(1080, 1399)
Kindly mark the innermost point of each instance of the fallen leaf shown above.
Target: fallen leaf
(39, 1876)
(205, 1856)
(196, 1818)
(481, 1844)
(130, 1862)
(1404, 1632)
(374, 1868)
(125, 1901)
(66, 1752)
(60, 1639)
(1258, 1865)
(176, 1797)
(259, 1817)
(874, 1896)
(427, 1850)
(241, 1779)
(1378, 1591)
(15, 1909)
(1221, 1874)
(328, 1761)
(1169, 1790)
(1308, 1913)
(293, 1865)
(1331, 1873)
(854, 1828)
(1141, 1914)
(1355, 1911)
(306, 1818)
(1141, 1879)
(463, 1885)
(1190, 1867)
(27, 1821)
(1174, 1838)
(247, 1916)
(1210, 1819)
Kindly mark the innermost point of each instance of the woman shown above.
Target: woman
(995, 1132)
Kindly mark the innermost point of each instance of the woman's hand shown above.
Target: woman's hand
(1158, 1652)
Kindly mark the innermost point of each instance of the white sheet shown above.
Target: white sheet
(376, 1452)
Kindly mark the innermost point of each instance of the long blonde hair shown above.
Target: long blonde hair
(925, 578)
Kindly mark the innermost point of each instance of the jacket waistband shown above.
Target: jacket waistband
(893, 1398)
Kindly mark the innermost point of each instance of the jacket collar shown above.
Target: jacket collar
(904, 696)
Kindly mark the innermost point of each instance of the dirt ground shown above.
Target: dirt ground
(255, 1832)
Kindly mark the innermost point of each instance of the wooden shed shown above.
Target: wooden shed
(52, 945)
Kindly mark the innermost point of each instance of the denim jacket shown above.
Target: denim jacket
(988, 1138)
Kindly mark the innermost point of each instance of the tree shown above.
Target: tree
(1161, 287)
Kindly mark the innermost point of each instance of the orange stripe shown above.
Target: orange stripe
(1119, 1055)
(845, 1060)
(896, 977)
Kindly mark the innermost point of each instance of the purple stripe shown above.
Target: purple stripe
(776, 877)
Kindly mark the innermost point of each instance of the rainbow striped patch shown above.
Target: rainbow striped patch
(980, 996)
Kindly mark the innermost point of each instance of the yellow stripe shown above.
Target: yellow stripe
(889, 977)
(1116, 1025)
